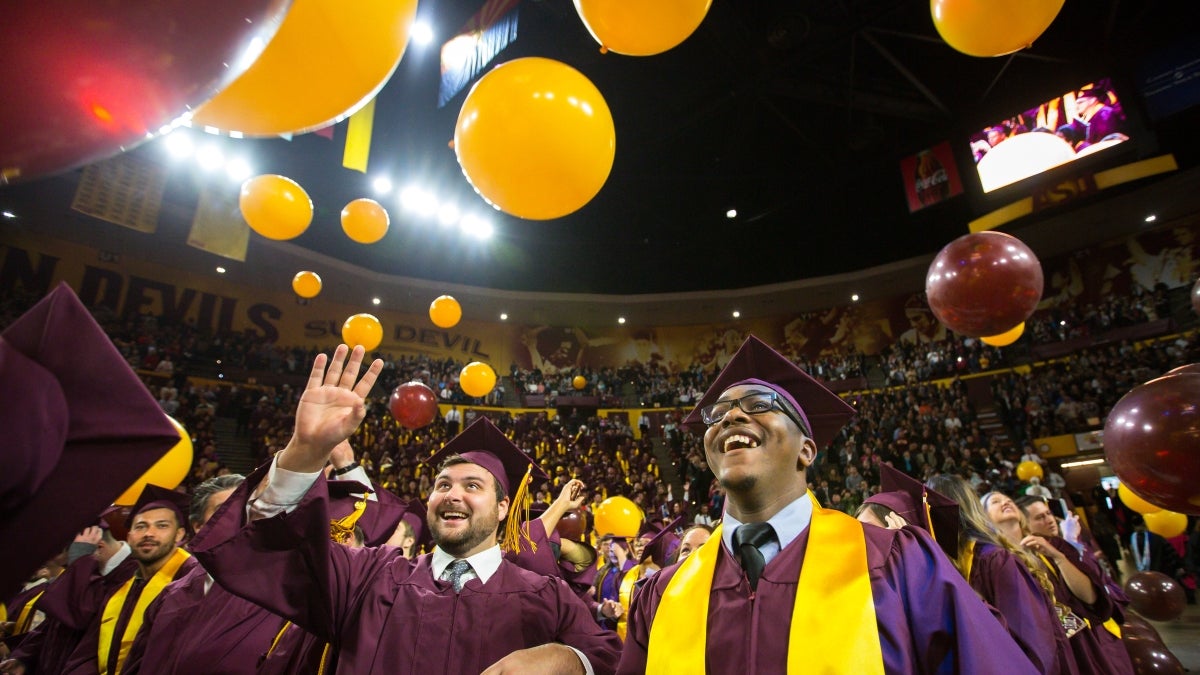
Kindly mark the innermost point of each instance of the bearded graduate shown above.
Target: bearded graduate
(785, 586)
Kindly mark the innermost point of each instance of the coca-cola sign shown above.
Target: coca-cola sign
(930, 177)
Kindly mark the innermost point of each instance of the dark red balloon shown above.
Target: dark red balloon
(1190, 369)
(1151, 657)
(573, 526)
(85, 80)
(1152, 441)
(1155, 596)
(984, 284)
(1138, 629)
(414, 405)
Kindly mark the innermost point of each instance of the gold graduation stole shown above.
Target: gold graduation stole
(25, 617)
(833, 581)
(112, 610)
(625, 596)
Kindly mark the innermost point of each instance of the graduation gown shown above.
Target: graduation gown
(1096, 650)
(188, 632)
(71, 603)
(930, 620)
(298, 652)
(383, 612)
(1004, 583)
(545, 561)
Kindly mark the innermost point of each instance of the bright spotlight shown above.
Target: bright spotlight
(210, 157)
(180, 145)
(421, 33)
(375, 301)
(238, 169)
(731, 214)
(448, 214)
(415, 199)
(621, 320)
(382, 185)
(476, 227)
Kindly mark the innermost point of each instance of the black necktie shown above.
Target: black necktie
(747, 540)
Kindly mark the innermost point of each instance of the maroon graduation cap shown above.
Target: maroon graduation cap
(484, 444)
(158, 497)
(922, 507)
(661, 549)
(79, 425)
(349, 506)
(821, 410)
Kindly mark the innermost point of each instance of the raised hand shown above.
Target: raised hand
(330, 409)
(89, 535)
(572, 494)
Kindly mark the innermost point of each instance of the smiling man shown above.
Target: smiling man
(784, 586)
(459, 609)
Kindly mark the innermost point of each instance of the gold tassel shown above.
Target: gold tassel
(342, 530)
(928, 514)
(514, 533)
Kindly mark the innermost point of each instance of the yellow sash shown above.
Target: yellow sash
(112, 610)
(834, 582)
(625, 595)
(25, 618)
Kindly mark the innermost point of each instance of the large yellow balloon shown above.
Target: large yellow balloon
(1166, 523)
(445, 312)
(1030, 469)
(1006, 338)
(477, 379)
(535, 138)
(365, 221)
(168, 472)
(641, 27)
(1128, 498)
(579, 382)
(275, 206)
(328, 59)
(362, 329)
(985, 28)
(306, 284)
(619, 517)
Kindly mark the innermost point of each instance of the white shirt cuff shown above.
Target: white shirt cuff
(284, 491)
(587, 665)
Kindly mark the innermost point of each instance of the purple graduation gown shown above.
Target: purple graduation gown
(1004, 583)
(384, 613)
(1096, 650)
(299, 652)
(543, 562)
(930, 621)
(71, 603)
(188, 632)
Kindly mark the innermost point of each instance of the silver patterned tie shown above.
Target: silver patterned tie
(454, 574)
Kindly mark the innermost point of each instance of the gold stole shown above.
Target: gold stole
(625, 596)
(25, 618)
(1110, 625)
(112, 610)
(834, 582)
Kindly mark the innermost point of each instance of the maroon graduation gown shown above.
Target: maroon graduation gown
(188, 632)
(384, 613)
(298, 652)
(544, 562)
(1004, 583)
(930, 621)
(71, 603)
(1096, 650)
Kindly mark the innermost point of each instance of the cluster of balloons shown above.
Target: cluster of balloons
(619, 517)
(168, 472)
(984, 284)
(413, 404)
(981, 28)
(1146, 648)
(1152, 443)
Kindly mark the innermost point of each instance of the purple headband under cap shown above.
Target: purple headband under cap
(784, 395)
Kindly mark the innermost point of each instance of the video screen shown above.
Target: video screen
(1079, 123)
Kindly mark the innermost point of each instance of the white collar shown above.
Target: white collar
(116, 559)
(484, 563)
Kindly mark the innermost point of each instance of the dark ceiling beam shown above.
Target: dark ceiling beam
(906, 73)
(819, 92)
(1023, 54)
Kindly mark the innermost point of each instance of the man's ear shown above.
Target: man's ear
(808, 454)
(503, 506)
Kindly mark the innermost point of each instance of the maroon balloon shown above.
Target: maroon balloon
(1139, 630)
(84, 80)
(1189, 369)
(1155, 596)
(572, 525)
(413, 404)
(1152, 441)
(984, 284)
(1151, 657)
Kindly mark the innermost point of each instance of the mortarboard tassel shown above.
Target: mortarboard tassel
(513, 530)
(928, 514)
(342, 529)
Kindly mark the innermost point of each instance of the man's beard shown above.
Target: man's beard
(150, 557)
(455, 542)
(743, 484)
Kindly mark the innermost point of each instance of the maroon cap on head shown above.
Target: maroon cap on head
(414, 515)
(484, 444)
(80, 429)
(907, 497)
(377, 518)
(755, 363)
(661, 549)
(157, 497)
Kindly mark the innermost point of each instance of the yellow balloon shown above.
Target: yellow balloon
(579, 382)
(169, 471)
(1130, 499)
(1006, 338)
(619, 517)
(1030, 469)
(445, 311)
(641, 27)
(365, 221)
(984, 28)
(306, 284)
(275, 206)
(1166, 523)
(477, 379)
(328, 59)
(535, 138)
(362, 329)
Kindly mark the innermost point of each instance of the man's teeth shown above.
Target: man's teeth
(453, 515)
(740, 440)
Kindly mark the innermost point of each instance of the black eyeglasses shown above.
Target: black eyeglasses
(752, 404)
